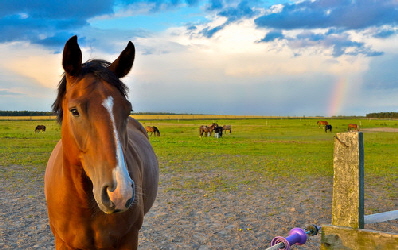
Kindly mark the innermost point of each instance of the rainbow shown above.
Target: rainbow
(338, 96)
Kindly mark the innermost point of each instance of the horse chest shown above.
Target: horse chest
(99, 231)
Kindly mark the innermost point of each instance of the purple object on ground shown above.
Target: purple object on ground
(296, 236)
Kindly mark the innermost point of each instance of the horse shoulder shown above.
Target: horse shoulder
(53, 169)
(142, 154)
(134, 125)
(56, 196)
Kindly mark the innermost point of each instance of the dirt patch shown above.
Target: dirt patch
(381, 129)
(244, 218)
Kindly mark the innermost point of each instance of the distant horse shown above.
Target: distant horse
(353, 127)
(323, 123)
(218, 131)
(152, 130)
(204, 130)
(102, 176)
(40, 128)
(207, 130)
(328, 127)
(227, 127)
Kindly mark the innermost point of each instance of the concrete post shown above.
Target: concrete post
(346, 231)
(348, 180)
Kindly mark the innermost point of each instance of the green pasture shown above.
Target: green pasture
(256, 149)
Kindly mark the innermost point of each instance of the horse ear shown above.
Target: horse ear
(123, 64)
(72, 57)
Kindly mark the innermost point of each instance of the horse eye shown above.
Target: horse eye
(74, 112)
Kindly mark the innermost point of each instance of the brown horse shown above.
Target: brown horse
(323, 123)
(152, 130)
(207, 130)
(40, 128)
(102, 176)
(227, 127)
(353, 127)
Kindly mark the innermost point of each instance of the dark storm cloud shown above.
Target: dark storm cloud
(347, 14)
(50, 23)
(215, 5)
(272, 36)
(384, 34)
(209, 32)
(158, 5)
(243, 10)
(57, 9)
(47, 22)
(338, 41)
(338, 16)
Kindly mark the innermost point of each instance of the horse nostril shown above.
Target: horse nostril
(106, 199)
(129, 202)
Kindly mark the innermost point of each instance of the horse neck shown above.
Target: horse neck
(70, 149)
(73, 175)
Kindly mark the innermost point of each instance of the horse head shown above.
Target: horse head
(94, 111)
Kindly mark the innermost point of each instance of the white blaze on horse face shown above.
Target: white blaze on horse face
(124, 190)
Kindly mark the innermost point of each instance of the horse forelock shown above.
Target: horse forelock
(97, 67)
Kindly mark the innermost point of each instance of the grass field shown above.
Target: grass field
(276, 148)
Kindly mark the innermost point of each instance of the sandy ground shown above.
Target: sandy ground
(384, 129)
(238, 219)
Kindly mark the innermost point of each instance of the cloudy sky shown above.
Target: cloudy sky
(231, 57)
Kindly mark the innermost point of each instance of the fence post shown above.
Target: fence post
(346, 231)
(348, 181)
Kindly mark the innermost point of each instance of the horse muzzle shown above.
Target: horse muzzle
(116, 200)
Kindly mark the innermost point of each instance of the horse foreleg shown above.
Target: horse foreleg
(61, 245)
(130, 241)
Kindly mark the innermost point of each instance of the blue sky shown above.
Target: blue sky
(290, 58)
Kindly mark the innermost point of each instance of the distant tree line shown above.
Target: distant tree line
(38, 113)
(157, 113)
(25, 113)
(383, 115)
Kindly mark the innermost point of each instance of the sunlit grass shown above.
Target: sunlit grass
(257, 149)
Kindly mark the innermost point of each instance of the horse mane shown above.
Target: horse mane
(98, 68)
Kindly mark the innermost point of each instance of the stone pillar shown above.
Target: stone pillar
(348, 180)
(346, 231)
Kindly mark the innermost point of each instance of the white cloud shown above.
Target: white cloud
(233, 52)
(41, 66)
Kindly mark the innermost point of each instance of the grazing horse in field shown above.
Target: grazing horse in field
(218, 131)
(152, 130)
(40, 128)
(323, 123)
(328, 127)
(353, 127)
(227, 127)
(102, 176)
(204, 130)
(207, 130)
